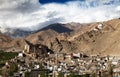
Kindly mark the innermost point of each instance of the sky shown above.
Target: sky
(35, 14)
(57, 1)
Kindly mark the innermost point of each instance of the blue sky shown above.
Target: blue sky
(56, 1)
(91, 2)
(107, 2)
(49, 1)
(35, 14)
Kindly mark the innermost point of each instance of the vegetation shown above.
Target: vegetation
(13, 68)
(1, 65)
(4, 56)
(74, 75)
(27, 74)
(93, 75)
(9, 70)
(61, 74)
(42, 74)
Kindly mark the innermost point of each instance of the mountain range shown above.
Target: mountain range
(94, 38)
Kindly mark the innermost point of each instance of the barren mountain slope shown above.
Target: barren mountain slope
(4, 40)
(42, 36)
(52, 31)
(103, 41)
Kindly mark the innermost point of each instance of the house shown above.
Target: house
(76, 55)
(116, 72)
(99, 27)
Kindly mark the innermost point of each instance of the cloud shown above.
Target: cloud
(32, 15)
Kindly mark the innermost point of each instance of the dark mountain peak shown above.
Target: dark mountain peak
(60, 28)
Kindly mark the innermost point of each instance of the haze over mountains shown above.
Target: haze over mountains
(72, 37)
(14, 33)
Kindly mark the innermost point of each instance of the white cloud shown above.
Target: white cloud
(31, 15)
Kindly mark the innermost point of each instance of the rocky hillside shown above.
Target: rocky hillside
(42, 36)
(52, 31)
(4, 40)
(98, 38)
(95, 38)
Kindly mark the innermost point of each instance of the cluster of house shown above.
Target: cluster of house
(24, 64)
(78, 63)
(82, 64)
(66, 63)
